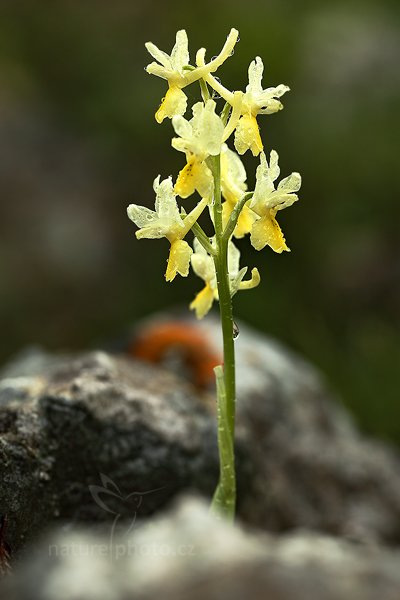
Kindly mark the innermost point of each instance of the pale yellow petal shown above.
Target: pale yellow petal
(180, 52)
(179, 260)
(227, 208)
(203, 302)
(247, 135)
(290, 184)
(203, 264)
(245, 222)
(166, 206)
(267, 231)
(195, 175)
(256, 70)
(174, 103)
(182, 127)
(233, 259)
(141, 215)
(233, 176)
(159, 55)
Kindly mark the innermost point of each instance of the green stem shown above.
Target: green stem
(203, 239)
(224, 496)
(201, 235)
(225, 504)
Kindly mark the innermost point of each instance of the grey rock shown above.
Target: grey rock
(96, 437)
(310, 466)
(188, 554)
(68, 424)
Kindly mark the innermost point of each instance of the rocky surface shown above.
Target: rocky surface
(66, 421)
(311, 468)
(188, 555)
(97, 437)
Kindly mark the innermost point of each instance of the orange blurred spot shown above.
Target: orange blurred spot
(156, 341)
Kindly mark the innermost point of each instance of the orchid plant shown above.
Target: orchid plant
(216, 173)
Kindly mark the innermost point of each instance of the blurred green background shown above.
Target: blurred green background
(79, 142)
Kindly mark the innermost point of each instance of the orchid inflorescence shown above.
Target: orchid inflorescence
(200, 138)
(216, 172)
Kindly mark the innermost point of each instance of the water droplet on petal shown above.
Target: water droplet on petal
(236, 330)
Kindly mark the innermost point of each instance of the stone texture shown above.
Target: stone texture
(310, 466)
(189, 555)
(142, 435)
(65, 421)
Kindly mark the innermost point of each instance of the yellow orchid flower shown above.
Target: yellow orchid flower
(256, 101)
(233, 186)
(176, 70)
(246, 106)
(200, 138)
(167, 222)
(203, 266)
(267, 201)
